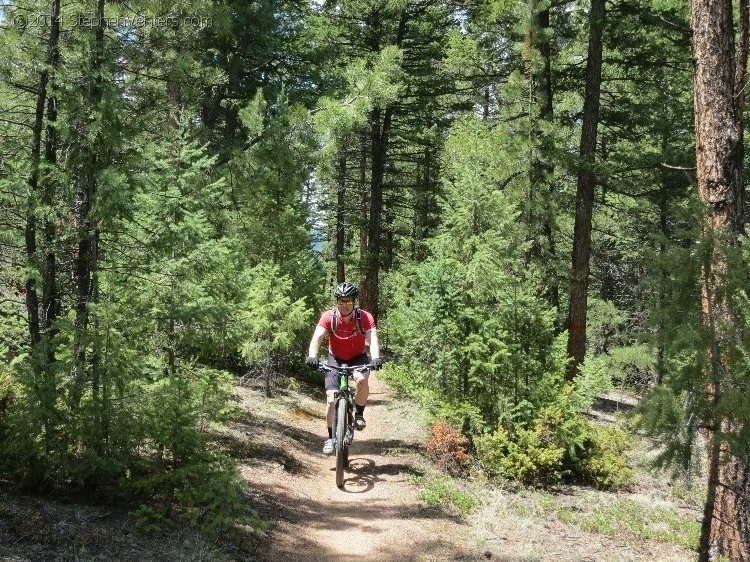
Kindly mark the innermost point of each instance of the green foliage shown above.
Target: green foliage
(491, 343)
(207, 493)
(603, 322)
(269, 316)
(559, 444)
(593, 379)
(526, 458)
(605, 464)
(270, 323)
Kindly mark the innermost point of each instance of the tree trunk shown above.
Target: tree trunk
(379, 129)
(50, 296)
(340, 214)
(585, 195)
(86, 266)
(41, 189)
(718, 84)
(663, 274)
(541, 170)
(362, 193)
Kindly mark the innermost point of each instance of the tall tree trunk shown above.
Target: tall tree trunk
(340, 214)
(541, 170)
(423, 205)
(578, 303)
(545, 89)
(362, 195)
(41, 188)
(719, 74)
(50, 294)
(664, 273)
(379, 129)
(86, 261)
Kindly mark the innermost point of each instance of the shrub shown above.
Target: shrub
(529, 458)
(449, 447)
(559, 444)
(605, 466)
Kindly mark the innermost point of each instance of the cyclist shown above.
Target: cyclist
(349, 330)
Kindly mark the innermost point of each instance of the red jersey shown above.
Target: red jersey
(347, 343)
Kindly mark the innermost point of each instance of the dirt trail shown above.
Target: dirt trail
(376, 516)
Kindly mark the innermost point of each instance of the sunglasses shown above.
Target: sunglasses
(346, 301)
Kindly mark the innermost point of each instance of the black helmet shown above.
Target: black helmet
(346, 290)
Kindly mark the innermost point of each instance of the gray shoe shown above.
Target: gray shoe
(359, 422)
(328, 447)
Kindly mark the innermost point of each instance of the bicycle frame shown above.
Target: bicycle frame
(343, 416)
(344, 393)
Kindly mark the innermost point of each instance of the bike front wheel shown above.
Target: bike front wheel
(342, 447)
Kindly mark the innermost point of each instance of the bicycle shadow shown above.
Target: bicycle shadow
(366, 474)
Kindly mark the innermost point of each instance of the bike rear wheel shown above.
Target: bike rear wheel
(342, 447)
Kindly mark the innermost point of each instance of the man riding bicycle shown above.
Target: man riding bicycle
(349, 331)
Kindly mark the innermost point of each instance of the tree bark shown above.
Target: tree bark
(340, 214)
(541, 169)
(380, 128)
(50, 295)
(578, 306)
(41, 189)
(362, 193)
(719, 74)
(86, 260)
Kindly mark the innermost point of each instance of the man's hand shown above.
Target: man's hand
(377, 363)
(313, 362)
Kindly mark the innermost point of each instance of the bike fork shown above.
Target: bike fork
(349, 437)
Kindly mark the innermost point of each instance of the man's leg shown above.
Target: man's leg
(363, 388)
(330, 386)
(360, 399)
(328, 445)
(329, 410)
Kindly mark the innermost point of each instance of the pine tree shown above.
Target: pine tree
(719, 84)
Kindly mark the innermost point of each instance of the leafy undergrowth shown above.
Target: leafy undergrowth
(36, 528)
(659, 518)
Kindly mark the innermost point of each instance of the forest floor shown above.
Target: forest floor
(394, 506)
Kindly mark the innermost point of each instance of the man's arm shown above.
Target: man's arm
(317, 337)
(372, 340)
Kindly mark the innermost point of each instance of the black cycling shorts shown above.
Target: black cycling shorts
(332, 380)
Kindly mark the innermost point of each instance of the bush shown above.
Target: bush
(529, 457)
(559, 444)
(449, 447)
(605, 466)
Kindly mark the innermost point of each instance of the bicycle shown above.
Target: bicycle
(343, 416)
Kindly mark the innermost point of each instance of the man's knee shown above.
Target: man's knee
(329, 397)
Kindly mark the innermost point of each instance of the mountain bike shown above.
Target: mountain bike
(343, 416)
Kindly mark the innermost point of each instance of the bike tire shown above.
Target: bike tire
(342, 448)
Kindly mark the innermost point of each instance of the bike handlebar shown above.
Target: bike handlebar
(349, 369)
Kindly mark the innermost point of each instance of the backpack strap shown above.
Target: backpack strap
(357, 319)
